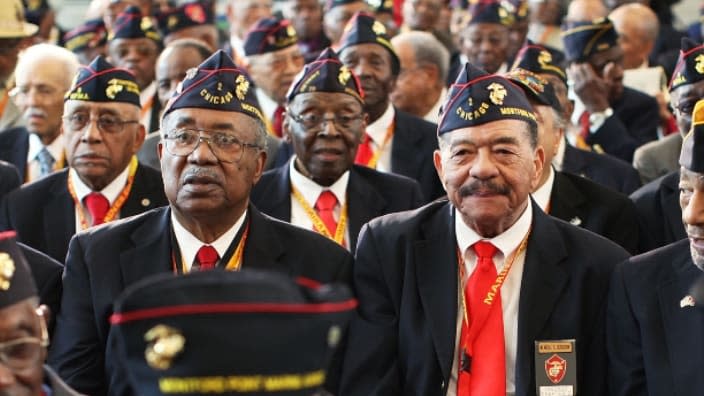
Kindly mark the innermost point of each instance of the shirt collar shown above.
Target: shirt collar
(311, 190)
(111, 191)
(505, 242)
(434, 113)
(377, 129)
(56, 148)
(267, 104)
(542, 194)
(188, 244)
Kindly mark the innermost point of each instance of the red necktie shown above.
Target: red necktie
(278, 120)
(485, 372)
(584, 123)
(325, 206)
(364, 151)
(97, 206)
(207, 256)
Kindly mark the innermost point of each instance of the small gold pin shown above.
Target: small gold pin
(687, 301)
(164, 344)
(146, 202)
(7, 270)
(575, 221)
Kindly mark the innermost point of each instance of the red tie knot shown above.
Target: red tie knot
(484, 250)
(97, 206)
(326, 201)
(207, 256)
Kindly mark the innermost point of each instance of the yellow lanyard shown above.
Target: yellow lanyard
(235, 262)
(318, 222)
(377, 153)
(115, 208)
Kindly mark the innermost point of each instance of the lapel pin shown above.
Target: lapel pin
(146, 202)
(575, 221)
(687, 301)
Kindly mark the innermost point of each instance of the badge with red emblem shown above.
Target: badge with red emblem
(558, 376)
(555, 368)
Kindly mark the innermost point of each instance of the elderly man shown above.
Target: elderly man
(420, 86)
(601, 168)
(14, 37)
(637, 27)
(43, 75)
(337, 14)
(213, 137)
(567, 196)
(616, 118)
(193, 19)
(658, 201)
(395, 141)
(272, 60)
(116, 7)
(242, 15)
(101, 133)
(485, 38)
(134, 44)
(306, 16)
(653, 322)
(87, 40)
(321, 185)
(451, 328)
(23, 329)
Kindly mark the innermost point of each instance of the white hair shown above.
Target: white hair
(40, 53)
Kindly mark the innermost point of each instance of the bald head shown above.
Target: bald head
(586, 10)
(637, 27)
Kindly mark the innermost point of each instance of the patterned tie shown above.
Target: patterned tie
(97, 206)
(484, 371)
(278, 121)
(325, 206)
(46, 162)
(207, 257)
(364, 152)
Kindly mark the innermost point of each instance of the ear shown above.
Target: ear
(139, 138)
(437, 161)
(538, 163)
(259, 166)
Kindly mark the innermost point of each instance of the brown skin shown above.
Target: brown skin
(208, 34)
(372, 64)
(306, 16)
(683, 99)
(488, 172)
(22, 319)
(545, 12)
(208, 196)
(415, 92)
(549, 137)
(561, 92)
(243, 14)
(114, 9)
(9, 52)
(136, 55)
(171, 68)
(517, 36)
(692, 204)
(86, 56)
(334, 20)
(485, 45)
(422, 14)
(274, 72)
(99, 157)
(323, 155)
(599, 81)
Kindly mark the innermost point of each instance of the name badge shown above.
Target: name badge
(555, 368)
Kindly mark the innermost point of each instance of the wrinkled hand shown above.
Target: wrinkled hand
(591, 89)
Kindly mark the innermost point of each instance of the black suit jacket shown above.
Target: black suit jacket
(43, 212)
(370, 194)
(14, 146)
(604, 169)
(654, 341)
(47, 277)
(634, 122)
(659, 212)
(405, 277)
(598, 209)
(9, 178)
(103, 261)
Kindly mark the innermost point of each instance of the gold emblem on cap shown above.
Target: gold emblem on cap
(7, 270)
(497, 93)
(241, 87)
(544, 58)
(146, 23)
(164, 344)
(334, 335)
(290, 31)
(699, 66)
(378, 28)
(190, 73)
(344, 75)
(173, 20)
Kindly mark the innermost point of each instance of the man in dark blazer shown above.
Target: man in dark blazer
(654, 323)
(395, 141)
(361, 193)
(603, 169)
(211, 156)
(9, 178)
(569, 197)
(46, 213)
(410, 267)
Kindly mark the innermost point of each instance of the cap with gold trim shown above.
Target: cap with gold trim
(90, 34)
(689, 68)
(130, 24)
(364, 28)
(535, 87)
(216, 84)
(16, 281)
(194, 13)
(326, 74)
(491, 11)
(693, 142)
(477, 98)
(519, 8)
(100, 81)
(269, 35)
(582, 39)
(229, 333)
(540, 59)
(379, 6)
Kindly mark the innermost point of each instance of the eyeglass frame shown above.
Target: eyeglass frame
(320, 125)
(207, 139)
(96, 120)
(42, 342)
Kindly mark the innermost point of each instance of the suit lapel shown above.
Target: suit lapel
(276, 200)
(263, 249)
(152, 249)
(59, 216)
(436, 264)
(683, 325)
(573, 161)
(364, 204)
(670, 198)
(141, 197)
(566, 200)
(404, 156)
(542, 284)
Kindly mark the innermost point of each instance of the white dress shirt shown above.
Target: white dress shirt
(310, 191)
(55, 148)
(542, 194)
(506, 244)
(377, 131)
(111, 192)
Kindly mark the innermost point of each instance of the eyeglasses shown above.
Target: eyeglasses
(106, 123)
(686, 107)
(225, 147)
(24, 352)
(314, 121)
